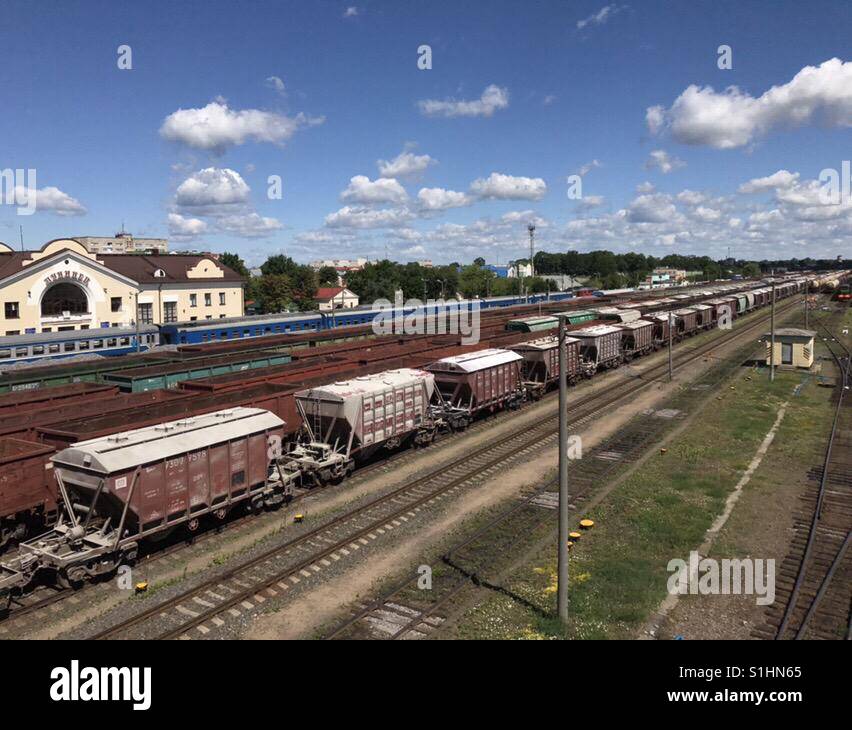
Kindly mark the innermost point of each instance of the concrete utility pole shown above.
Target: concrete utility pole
(772, 337)
(806, 306)
(562, 569)
(671, 330)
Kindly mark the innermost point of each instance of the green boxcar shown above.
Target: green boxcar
(532, 324)
(137, 380)
(44, 376)
(579, 316)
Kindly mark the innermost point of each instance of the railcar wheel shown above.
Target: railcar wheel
(193, 524)
(221, 514)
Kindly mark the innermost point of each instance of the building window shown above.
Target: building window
(222, 298)
(208, 299)
(115, 304)
(12, 310)
(61, 298)
(146, 313)
(12, 333)
(169, 311)
(193, 300)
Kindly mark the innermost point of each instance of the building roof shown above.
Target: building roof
(791, 332)
(324, 293)
(141, 267)
(138, 267)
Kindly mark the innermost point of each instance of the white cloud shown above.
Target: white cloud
(588, 167)
(492, 99)
(663, 161)
(248, 225)
(277, 85)
(591, 201)
(216, 127)
(548, 100)
(404, 164)
(211, 188)
(780, 179)
(733, 118)
(350, 12)
(706, 214)
(352, 217)
(49, 198)
(508, 187)
(645, 187)
(601, 16)
(652, 208)
(414, 251)
(440, 199)
(361, 190)
(185, 229)
(691, 197)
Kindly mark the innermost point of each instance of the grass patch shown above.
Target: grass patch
(662, 511)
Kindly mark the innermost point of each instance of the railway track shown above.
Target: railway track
(276, 570)
(483, 560)
(816, 575)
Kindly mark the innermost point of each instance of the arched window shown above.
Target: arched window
(64, 298)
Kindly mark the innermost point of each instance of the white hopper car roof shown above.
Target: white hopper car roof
(542, 343)
(635, 324)
(472, 362)
(127, 450)
(368, 384)
(596, 331)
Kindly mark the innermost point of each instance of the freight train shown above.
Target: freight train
(117, 490)
(260, 379)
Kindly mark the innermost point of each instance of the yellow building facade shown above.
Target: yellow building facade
(64, 287)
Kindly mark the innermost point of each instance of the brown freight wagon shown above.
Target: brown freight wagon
(23, 425)
(27, 489)
(541, 362)
(478, 381)
(120, 490)
(704, 316)
(25, 400)
(637, 338)
(600, 346)
(687, 321)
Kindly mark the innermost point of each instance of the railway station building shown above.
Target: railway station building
(63, 286)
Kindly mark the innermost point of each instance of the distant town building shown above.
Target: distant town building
(341, 264)
(501, 271)
(335, 297)
(519, 270)
(425, 263)
(123, 243)
(63, 286)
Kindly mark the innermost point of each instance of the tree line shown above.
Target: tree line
(285, 285)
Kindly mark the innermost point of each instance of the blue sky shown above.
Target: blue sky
(521, 95)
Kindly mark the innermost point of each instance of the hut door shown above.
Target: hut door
(786, 353)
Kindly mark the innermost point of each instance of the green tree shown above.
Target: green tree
(274, 293)
(235, 263)
(279, 264)
(327, 276)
